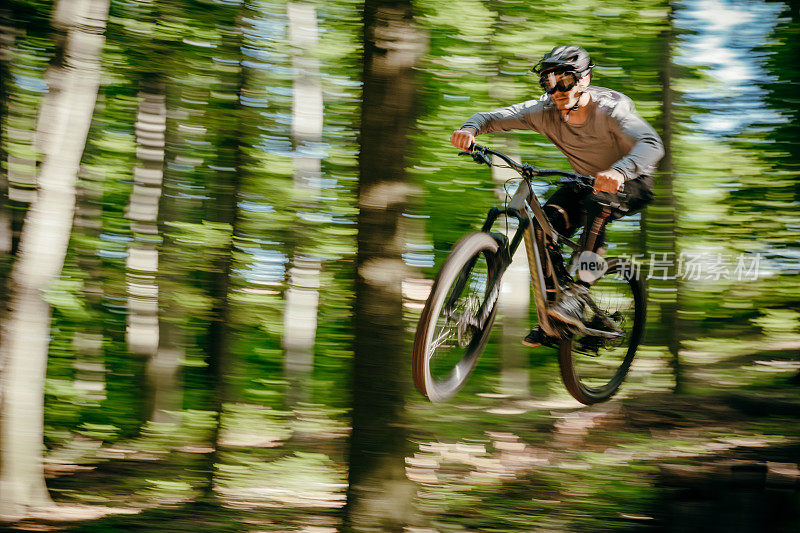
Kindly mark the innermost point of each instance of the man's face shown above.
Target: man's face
(555, 83)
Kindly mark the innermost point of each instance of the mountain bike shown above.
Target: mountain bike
(459, 313)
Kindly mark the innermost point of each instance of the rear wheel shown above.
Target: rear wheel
(593, 367)
(456, 320)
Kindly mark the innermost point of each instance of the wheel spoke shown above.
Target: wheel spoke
(439, 341)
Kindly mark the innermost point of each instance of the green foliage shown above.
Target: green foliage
(225, 70)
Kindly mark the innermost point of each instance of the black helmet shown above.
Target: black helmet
(565, 58)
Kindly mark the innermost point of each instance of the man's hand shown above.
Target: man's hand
(608, 181)
(463, 138)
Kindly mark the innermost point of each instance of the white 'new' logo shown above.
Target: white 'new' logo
(591, 266)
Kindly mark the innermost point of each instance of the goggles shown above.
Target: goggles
(558, 81)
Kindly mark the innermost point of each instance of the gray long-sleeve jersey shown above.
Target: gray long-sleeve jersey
(613, 135)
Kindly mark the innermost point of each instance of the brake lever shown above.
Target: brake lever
(479, 157)
(612, 200)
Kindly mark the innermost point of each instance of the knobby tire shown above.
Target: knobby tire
(456, 273)
(569, 358)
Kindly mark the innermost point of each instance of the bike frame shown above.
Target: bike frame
(539, 235)
(526, 209)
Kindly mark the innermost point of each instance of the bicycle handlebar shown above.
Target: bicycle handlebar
(480, 155)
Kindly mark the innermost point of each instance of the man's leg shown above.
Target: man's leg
(569, 308)
(638, 191)
(564, 210)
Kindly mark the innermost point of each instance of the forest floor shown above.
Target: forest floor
(714, 461)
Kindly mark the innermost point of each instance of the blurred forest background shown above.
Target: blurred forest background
(220, 220)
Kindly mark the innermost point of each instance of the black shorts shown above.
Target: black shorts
(568, 207)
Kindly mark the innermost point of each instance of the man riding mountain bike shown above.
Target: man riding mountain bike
(600, 133)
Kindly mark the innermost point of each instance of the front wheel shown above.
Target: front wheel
(593, 367)
(455, 322)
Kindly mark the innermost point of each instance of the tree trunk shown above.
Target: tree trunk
(379, 495)
(223, 210)
(164, 372)
(142, 261)
(665, 223)
(43, 247)
(143, 332)
(302, 295)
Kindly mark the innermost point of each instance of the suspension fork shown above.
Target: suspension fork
(505, 257)
(480, 318)
(503, 261)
